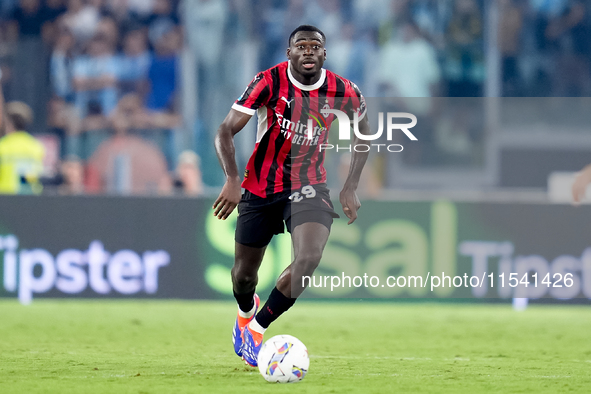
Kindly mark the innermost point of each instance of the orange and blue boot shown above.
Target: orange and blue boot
(241, 322)
(252, 342)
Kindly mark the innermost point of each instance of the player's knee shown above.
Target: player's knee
(243, 280)
(309, 260)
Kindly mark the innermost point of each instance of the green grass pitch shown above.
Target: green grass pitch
(355, 347)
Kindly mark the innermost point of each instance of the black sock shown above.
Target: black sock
(274, 307)
(245, 301)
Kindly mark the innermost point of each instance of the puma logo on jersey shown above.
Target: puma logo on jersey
(288, 102)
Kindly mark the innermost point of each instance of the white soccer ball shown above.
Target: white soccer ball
(283, 359)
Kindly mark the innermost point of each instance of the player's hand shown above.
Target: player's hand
(580, 186)
(350, 203)
(228, 198)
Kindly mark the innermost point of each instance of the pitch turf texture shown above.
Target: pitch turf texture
(356, 347)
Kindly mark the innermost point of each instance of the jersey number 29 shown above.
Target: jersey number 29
(307, 192)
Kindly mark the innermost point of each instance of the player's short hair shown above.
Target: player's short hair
(19, 114)
(306, 28)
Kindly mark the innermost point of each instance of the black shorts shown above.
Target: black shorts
(261, 218)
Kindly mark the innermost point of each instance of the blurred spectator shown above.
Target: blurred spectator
(153, 126)
(206, 34)
(163, 73)
(399, 13)
(370, 14)
(81, 136)
(271, 24)
(540, 64)
(95, 76)
(52, 11)
(332, 19)
(362, 56)
(60, 122)
(92, 131)
(71, 176)
(61, 66)
(161, 17)
(188, 174)
(544, 11)
(569, 36)
(130, 13)
(107, 27)
(27, 19)
(98, 5)
(432, 17)
(138, 7)
(341, 51)
(21, 154)
(464, 58)
(127, 164)
(121, 11)
(351, 54)
(54, 8)
(82, 20)
(134, 63)
(408, 68)
(140, 118)
(69, 179)
(510, 25)
(131, 107)
(95, 119)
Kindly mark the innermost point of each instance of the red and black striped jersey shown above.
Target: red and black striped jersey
(285, 158)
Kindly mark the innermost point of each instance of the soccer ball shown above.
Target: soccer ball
(283, 359)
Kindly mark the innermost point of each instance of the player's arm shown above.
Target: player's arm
(348, 196)
(224, 147)
(582, 180)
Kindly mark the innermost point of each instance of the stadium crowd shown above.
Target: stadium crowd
(412, 48)
(536, 39)
(102, 76)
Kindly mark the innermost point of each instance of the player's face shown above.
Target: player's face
(307, 53)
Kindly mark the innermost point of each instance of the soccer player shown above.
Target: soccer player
(21, 154)
(284, 180)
